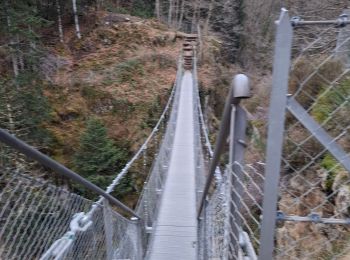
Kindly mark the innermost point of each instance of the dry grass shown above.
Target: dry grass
(116, 73)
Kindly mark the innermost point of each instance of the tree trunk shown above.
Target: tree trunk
(76, 20)
(59, 20)
(157, 10)
(10, 118)
(14, 63)
(21, 62)
(181, 14)
(195, 16)
(170, 13)
(12, 43)
(207, 21)
(177, 11)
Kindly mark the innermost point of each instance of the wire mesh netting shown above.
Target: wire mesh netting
(203, 150)
(314, 198)
(245, 197)
(110, 236)
(211, 232)
(34, 213)
(230, 221)
(314, 187)
(211, 226)
(229, 227)
(39, 219)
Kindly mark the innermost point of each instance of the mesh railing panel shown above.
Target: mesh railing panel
(245, 194)
(314, 198)
(212, 225)
(231, 219)
(199, 137)
(111, 236)
(33, 214)
(314, 188)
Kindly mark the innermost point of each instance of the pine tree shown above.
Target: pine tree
(98, 159)
(23, 109)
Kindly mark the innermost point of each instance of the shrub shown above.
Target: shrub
(127, 70)
(98, 159)
(312, 84)
(333, 168)
(331, 99)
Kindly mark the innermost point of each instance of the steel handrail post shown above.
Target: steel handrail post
(239, 90)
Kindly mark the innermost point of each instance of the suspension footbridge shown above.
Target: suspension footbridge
(230, 202)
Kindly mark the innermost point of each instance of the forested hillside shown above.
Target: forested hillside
(74, 93)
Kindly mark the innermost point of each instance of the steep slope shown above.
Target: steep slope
(121, 73)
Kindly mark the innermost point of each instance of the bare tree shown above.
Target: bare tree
(176, 15)
(170, 12)
(14, 58)
(76, 20)
(157, 9)
(195, 15)
(207, 19)
(59, 20)
(182, 11)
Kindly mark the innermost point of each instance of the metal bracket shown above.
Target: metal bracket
(75, 224)
(149, 230)
(342, 20)
(59, 248)
(295, 20)
(313, 217)
(280, 215)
